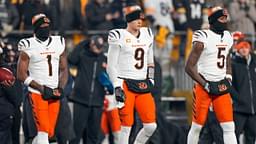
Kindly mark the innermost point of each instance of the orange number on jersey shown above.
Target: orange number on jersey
(49, 57)
(139, 56)
(222, 57)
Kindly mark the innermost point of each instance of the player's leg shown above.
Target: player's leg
(126, 116)
(40, 113)
(115, 124)
(54, 108)
(201, 103)
(145, 106)
(222, 106)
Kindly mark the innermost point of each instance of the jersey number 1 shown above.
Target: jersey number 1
(49, 59)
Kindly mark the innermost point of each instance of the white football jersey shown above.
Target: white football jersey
(43, 59)
(135, 52)
(212, 62)
(162, 12)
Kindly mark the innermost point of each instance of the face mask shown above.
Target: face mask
(42, 33)
(219, 27)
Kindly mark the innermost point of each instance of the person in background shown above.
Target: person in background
(244, 95)
(10, 101)
(110, 121)
(88, 93)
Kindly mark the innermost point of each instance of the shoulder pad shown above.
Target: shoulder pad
(114, 34)
(200, 34)
(23, 44)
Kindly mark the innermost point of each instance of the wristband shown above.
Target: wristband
(27, 81)
(228, 76)
(150, 72)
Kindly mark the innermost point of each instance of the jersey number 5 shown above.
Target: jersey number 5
(49, 59)
(221, 57)
(139, 56)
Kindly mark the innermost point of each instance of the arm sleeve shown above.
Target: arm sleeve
(114, 41)
(150, 58)
(150, 55)
(113, 56)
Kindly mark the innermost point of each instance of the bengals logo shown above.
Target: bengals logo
(56, 92)
(222, 87)
(142, 85)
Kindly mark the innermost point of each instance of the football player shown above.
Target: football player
(42, 66)
(131, 69)
(209, 65)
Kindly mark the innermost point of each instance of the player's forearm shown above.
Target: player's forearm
(36, 85)
(192, 72)
(229, 67)
(112, 72)
(63, 78)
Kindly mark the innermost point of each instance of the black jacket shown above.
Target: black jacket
(87, 89)
(10, 98)
(244, 84)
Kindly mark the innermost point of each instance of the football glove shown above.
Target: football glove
(119, 94)
(52, 94)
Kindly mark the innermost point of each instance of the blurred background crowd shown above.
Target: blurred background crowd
(172, 21)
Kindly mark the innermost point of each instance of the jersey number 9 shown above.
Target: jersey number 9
(139, 56)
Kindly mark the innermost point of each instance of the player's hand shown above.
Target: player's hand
(119, 94)
(52, 94)
(8, 83)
